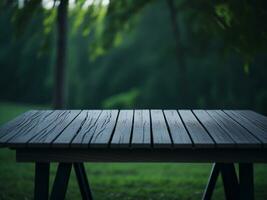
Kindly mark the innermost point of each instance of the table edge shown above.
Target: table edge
(143, 155)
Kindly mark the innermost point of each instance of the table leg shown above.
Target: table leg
(246, 181)
(230, 181)
(229, 178)
(212, 182)
(41, 188)
(83, 181)
(61, 181)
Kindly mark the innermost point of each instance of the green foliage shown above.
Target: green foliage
(49, 21)
(23, 16)
(123, 100)
(242, 27)
(120, 16)
(144, 57)
(223, 11)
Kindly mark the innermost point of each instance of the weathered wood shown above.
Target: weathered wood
(136, 129)
(219, 135)
(178, 132)
(15, 124)
(256, 118)
(199, 135)
(252, 128)
(122, 134)
(86, 129)
(141, 137)
(161, 137)
(240, 135)
(78, 129)
(25, 129)
(104, 129)
(51, 128)
(97, 129)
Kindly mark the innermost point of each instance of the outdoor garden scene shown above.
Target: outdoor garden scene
(131, 54)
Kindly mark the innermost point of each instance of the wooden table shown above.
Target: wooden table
(72, 137)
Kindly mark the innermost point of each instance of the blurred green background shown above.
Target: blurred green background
(131, 54)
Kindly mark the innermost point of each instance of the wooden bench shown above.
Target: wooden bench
(72, 137)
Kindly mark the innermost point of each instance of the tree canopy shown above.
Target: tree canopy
(241, 25)
(127, 53)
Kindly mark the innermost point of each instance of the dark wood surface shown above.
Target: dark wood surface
(141, 134)
(135, 129)
(186, 155)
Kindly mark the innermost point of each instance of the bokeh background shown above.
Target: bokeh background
(84, 54)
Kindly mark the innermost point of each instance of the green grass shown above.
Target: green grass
(117, 181)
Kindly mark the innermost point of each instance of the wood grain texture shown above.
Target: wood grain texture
(122, 134)
(178, 132)
(25, 129)
(78, 129)
(11, 128)
(141, 137)
(199, 135)
(219, 135)
(86, 130)
(161, 137)
(239, 134)
(136, 129)
(252, 128)
(50, 128)
(104, 129)
(256, 118)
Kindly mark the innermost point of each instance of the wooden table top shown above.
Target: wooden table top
(152, 129)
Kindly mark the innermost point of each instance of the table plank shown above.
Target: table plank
(199, 135)
(11, 128)
(78, 129)
(50, 128)
(220, 136)
(24, 129)
(240, 135)
(85, 133)
(122, 134)
(179, 135)
(161, 137)
(104, 129)
(252, 128)
(258, 119)
(141, 137)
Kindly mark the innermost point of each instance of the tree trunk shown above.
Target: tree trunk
(59, 79)
(180, 55)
